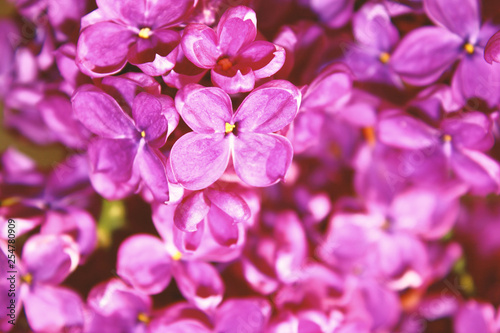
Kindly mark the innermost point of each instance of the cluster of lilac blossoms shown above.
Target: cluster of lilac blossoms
(250, 166)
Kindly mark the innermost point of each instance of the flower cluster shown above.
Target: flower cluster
(279, 166)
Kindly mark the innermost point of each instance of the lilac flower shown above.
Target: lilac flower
(461, 141)
(46, 261)
(236, 59)
(425, 53)
(480, 317)
(138, 32)
(126, 149)
(260, 157)
(145, 263)
(376, 36)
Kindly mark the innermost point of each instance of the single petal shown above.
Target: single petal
(168, 13)
(75, 222)
(199, 44)
(462, 17)
(111, 165)
(125, 11)
(372, 27)
(200, 284)
(191, 211)
(50, 258)
(248, 315)
(159, 66)
(144, 263)
(425, 53)
(101, 114)
(268, 108)
(236, 28)
(188, 242)
(230, 202)
(478, 170)
(66, 307)
(492, 49)
(204, 109)
(152, 166)
(402, 131)
(102, 48)
(263, 57)
(475, 316)
(261, 159)
(475, 78)
(237, 79)
(222, 227)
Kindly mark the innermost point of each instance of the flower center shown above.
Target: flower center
(145, 33)
(446, 138)
(384, 57)
(143, 318)
(225, 63)
(177, 255)
(143, 134)
(229, 128)
(28, 278)
(369, 135)
(469, 48)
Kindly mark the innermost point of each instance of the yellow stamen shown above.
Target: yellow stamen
(177, 255)
(225, 63)
(143, 318)
(469, 48)
(384, 57)
(446, 138)
(143, 134)
(369, 134)
(229, 128)
(10, 201)
(28, 278)
(145, 33)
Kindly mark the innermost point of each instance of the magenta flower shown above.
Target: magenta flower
(425, 53)
(126, 149)
(46, 261)
(260, 157)
(233, 55)
(138, 32)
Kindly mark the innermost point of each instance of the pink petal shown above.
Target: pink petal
(425, 53)
(144, 263)
(222, 227)
(199, 44)
(101, 114)
(263, 57)
(461, 17)
(261, 159)
(205, 110)
(402, 131)
(102, 48)
(111, 167)
(268, 108)
(152, 166)
(191, 211)
(242, 80)
(50, 258)
(475, 78)
(236, 28)
(231, 203)
(200, 284)
(492, 49)
(372, 27)
(148, 116)
(65, 305)
(248, 315)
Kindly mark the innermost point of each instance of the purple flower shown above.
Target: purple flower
(425, 53)
(236, 59)
(46, 261)
(137, 32)
(126, 149)
(260, 157)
